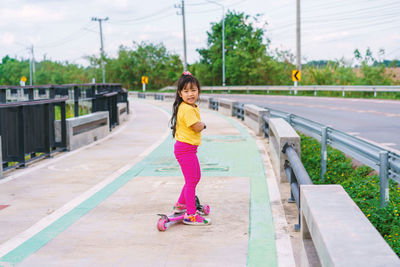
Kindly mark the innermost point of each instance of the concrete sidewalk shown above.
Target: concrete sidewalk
(97, 206)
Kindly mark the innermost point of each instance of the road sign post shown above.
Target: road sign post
(296, 77)
(22, 81)
(145, 80)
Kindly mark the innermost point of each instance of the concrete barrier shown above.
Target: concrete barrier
(253, 118)
(122, 114)
(85, 129)
(225, 106)
(169, 96)
(133, 94)
(280, 133)
(204, 100)
(335, 232)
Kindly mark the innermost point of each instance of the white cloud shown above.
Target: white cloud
(31, 14)
(7, 38)
(331, 36)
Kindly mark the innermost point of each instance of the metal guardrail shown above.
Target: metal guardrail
(238, 111)
(315, 88)
(213, 104)
(297, 175)
(158, 96)
(386, 162)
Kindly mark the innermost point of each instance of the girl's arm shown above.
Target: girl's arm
(198, 126)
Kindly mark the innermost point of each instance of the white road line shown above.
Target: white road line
(388, 144)
(353, 133)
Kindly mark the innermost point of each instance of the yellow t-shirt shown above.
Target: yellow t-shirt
(186, 117)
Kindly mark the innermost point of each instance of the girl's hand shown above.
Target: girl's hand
(198, 126)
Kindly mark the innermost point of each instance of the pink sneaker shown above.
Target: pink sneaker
(179, 208)
(195, 219)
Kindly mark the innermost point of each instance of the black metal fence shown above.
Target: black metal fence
(96, 96)
(27, 128)
(27, 115)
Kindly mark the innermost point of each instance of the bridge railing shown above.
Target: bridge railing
(28, 128)
(28, 116)
(87, 95)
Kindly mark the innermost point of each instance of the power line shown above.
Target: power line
(146, 17)
(71, 37)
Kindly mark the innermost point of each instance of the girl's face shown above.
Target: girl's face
(190, 94)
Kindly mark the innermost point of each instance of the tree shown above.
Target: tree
(152, 60)
(11, 70)
(245, 56)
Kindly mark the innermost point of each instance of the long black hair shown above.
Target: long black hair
(185, 79)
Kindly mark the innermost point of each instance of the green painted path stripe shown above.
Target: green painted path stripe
(261, 246)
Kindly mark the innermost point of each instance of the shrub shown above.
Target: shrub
(360, 184)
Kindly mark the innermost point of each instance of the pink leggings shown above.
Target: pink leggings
(187, 158)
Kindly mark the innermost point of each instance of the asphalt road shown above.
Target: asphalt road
(375, 120)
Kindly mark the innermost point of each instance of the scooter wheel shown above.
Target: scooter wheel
(161, 224)
(206, 209)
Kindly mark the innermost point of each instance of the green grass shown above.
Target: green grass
(361, 184)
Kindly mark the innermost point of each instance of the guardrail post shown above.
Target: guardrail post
(315, 92)
(21, 135)
(324, 154)
(383, 178)
(374, 92)
(247, 90)
(289, 118)
(343, 92)
(52, 92)
(3, 95)
(31, 96)
(76, 101)
(289, 174)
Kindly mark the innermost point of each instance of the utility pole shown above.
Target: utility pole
(182, 6)
(298, 40)
(101, 45)
(32, 71)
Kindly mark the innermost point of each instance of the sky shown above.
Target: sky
(62, 30)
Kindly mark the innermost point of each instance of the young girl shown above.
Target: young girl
(186, 129)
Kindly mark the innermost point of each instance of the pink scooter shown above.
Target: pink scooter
(166, 221)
